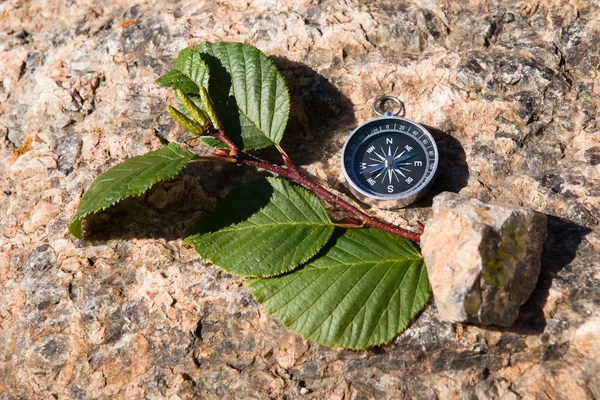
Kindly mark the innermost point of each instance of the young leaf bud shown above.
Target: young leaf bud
(184, 121)
(209, 108)
(196, 113)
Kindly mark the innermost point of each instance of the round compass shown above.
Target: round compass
(389, 161)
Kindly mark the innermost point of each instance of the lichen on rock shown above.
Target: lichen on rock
(483, 259)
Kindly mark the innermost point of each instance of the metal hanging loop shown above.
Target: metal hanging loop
(380, 101)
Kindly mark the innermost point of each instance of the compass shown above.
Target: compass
(389, 161)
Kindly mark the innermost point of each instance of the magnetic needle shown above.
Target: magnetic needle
(389, 161)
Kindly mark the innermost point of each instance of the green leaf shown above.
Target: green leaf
(360, 291)
(186, 122)
(250, 95)
(193, 110)
(188, 73)
(130, 178)
(208, 140)
(263, 229)
(212, 142)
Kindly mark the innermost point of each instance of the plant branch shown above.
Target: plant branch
(220, 135)
(347, 226)
(302, 180)
(286, 159)
(216, 157)
(235, 155)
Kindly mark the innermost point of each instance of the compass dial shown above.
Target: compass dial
(390, 158)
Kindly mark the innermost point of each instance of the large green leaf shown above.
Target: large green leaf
(360, 291)
(188, 73)
(130, 178)
(263, 229)
(250, 95)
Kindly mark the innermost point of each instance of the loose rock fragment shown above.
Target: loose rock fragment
(483, 259)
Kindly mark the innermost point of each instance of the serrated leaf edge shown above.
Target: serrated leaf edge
(192, 49)
(300, 264)
(355, 348)
(78, 219)
(402, 328)
(287, 92)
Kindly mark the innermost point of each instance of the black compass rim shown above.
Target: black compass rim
(399, 196)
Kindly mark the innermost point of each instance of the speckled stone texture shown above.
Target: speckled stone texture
(509, 88)
(483, 259)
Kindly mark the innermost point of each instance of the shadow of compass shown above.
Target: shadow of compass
(453, 171)
(319, 113)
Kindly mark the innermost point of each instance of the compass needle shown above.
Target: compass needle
(406, 157)
(372, 169)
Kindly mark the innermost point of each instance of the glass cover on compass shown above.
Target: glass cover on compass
(390, 158)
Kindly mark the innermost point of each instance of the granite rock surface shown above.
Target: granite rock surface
(483, 259)
(510, 90)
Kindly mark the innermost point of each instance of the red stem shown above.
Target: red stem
(220, 135)
(292, 173)
(295, 176)
(354, 221)
(286, 159)
(348, 226)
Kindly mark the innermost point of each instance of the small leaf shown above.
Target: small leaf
(188, 73)
(130, 178)
(250, 95)
(360, 291)
(187, 123)
(262, 229)
(192, 109)
(212, 142)
(209, 108)
(193, 128)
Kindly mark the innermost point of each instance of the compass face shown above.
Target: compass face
(390, 158)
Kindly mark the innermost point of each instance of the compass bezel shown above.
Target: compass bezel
(390, 200)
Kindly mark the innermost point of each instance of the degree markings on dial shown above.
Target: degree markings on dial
(391, 170)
